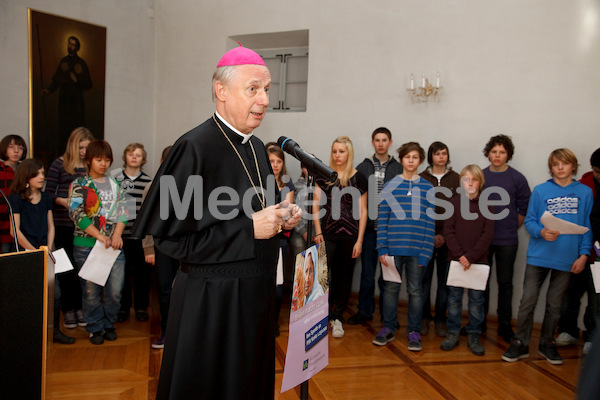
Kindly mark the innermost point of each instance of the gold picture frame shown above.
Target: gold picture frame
(67, 71)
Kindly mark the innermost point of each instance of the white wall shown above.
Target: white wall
(527, 69)
(524, 68)
(130, 78)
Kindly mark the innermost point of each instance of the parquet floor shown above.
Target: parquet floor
(128, 368)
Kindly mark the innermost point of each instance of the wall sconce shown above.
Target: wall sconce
(426, 91)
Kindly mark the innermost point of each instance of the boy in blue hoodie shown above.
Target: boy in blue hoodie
(550, 253)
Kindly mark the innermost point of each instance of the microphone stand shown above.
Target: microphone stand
(12, 221)
(310, 184)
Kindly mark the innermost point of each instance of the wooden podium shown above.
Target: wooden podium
(26, 307)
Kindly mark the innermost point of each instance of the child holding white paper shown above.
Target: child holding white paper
(552, 254)
(97, 207)
(468, 235)
(405, 231)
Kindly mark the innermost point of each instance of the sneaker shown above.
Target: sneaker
(80, 320)
(414, 341)
(565, 339)
(70, 321)
(337, 329)
(441, 330)
(160, 343)
(450, 342)
(549, 352)
(384, 336)
(358, 319)
(110, 334)
(424, 327)
(475, 344)
(516, 351)
(96, 338)
(587, 346)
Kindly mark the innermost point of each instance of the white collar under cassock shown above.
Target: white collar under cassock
(245, 137)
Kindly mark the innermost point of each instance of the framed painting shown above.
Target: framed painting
(67, 65)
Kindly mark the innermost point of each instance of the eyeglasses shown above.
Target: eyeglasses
(16, 147)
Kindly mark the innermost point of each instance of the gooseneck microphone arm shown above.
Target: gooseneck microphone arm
(312, 163)
(12, 221)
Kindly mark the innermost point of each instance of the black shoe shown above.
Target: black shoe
(141, 316)
(450, 342)
(110, 334)
(516, 351)
(549, 352)
(506, 333)
(358, 319)
(96, 338)
(122, 316)
(61, 338)
(475, 344)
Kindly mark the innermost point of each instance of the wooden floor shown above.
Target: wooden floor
(128, 368)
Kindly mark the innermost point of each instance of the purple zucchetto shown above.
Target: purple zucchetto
(240, 56)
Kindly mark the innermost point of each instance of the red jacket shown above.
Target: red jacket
(7, 175)
(588, 180)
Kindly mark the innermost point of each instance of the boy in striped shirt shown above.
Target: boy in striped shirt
(406, 232)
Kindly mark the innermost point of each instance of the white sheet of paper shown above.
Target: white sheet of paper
(473, 278)
(63, 263)
(280, 268)
(98, 264)
(564, 227)
(595, 267)
(390, 273)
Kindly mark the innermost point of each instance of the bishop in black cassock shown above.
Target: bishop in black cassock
(220, 339)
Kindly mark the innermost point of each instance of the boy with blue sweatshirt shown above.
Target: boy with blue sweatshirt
(550, 253)
(405, 231)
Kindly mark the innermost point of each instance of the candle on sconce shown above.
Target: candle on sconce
(437, 80)
(412, 82)
(423, 81)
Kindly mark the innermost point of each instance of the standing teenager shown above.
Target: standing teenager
(342, 226)
(405, 231)
(97, 208)
(552, 254)
(379, 169)
(439, 174)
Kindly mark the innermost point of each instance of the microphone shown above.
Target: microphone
(313, 164)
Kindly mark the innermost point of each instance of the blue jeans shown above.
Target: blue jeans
(476, 311)
(440, 260)
(414, 279)
(368, 258)
(100, 304)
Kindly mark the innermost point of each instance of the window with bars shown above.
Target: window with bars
(289, 78)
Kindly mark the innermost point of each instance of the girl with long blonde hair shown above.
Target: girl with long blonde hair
(61, 173)
(342, 225)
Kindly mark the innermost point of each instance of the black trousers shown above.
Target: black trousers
(340, 272)
(70, 287)
(139, 271)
